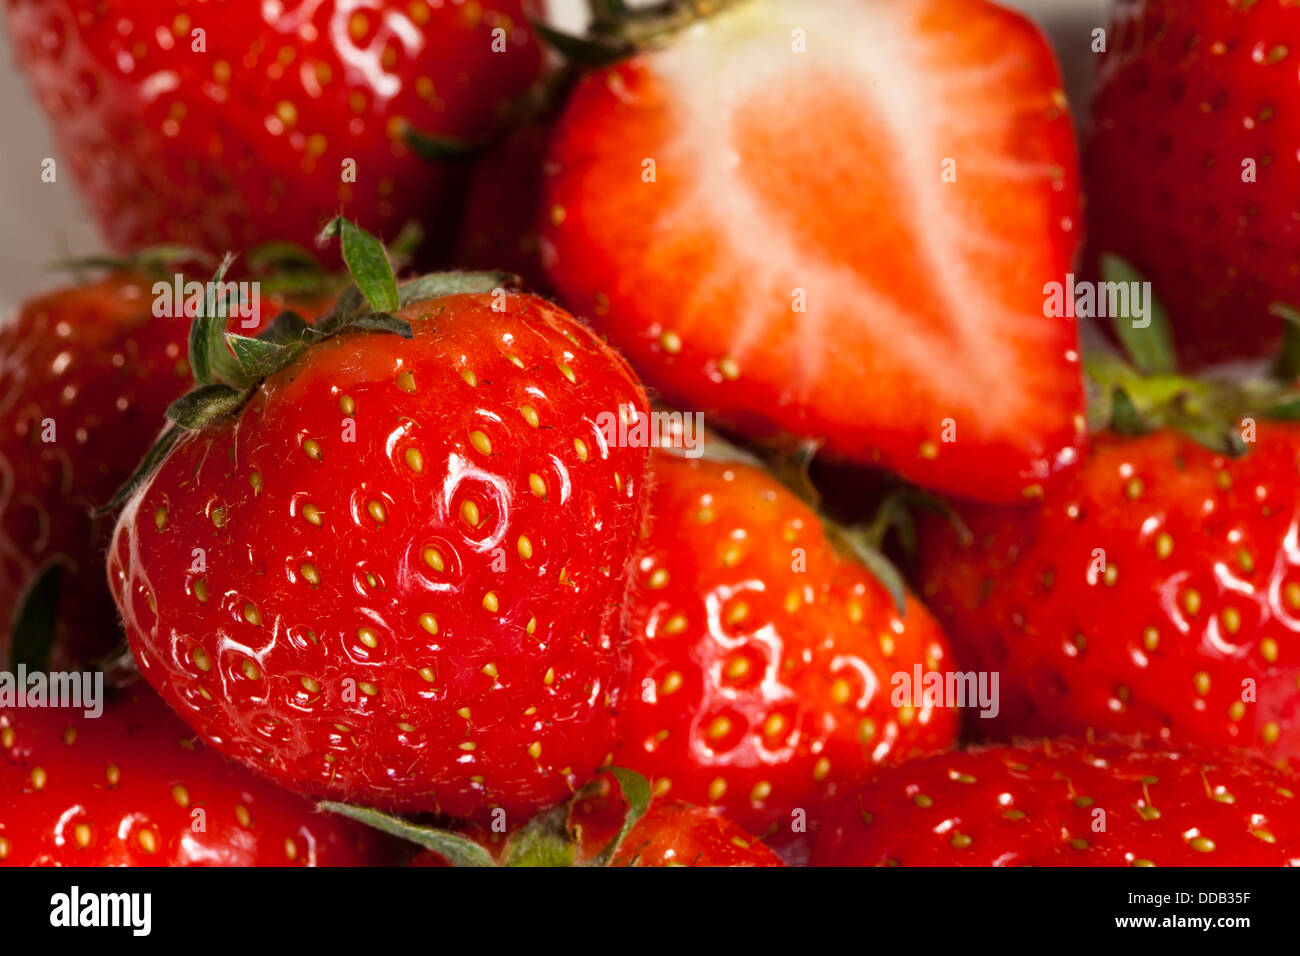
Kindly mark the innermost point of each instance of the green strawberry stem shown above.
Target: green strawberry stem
(636, 791)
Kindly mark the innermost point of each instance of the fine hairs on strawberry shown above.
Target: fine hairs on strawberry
(383, 559)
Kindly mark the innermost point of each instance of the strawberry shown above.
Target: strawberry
(132, 788)
(222, 125)
(775, 237)
(673, 833)
(1190, 165)
(597, 828)
(498, 227)
(1157, 590)
(763, 659)
(383, 562)
(86, 373)
(1069, 803)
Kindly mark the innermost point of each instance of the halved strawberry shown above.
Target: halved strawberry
(836, 221)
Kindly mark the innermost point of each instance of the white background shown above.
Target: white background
(45, 220)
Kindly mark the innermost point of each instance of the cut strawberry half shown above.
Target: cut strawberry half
(836, 221)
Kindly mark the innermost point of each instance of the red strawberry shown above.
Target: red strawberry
(1069, 803)
(86, 373)
(762, 659)
(499, 225)
(1191, 165)
(285, 112)
(133, 788)
(597, 828)
(1157, 590)
(769, 236)
(391, 572)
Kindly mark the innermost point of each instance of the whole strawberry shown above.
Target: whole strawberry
(1069, 803)
(1191, 168)
(131, 787)
(221, 125)
(86, 373)
(764, 660)
(788, 220)
(1156, 590)
(387, 567)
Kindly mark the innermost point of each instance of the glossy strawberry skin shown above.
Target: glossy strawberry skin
(1069, 803)
(763, 659)
(770, 181)
(249, 140)
(1187, 92)
(93, 360)
(1149, 593)
(413, 555)
(126, 788)
(677, 834)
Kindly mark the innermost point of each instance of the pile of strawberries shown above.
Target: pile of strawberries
(418, 553)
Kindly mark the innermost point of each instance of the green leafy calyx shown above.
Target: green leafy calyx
(545, 840)
(228, 368)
